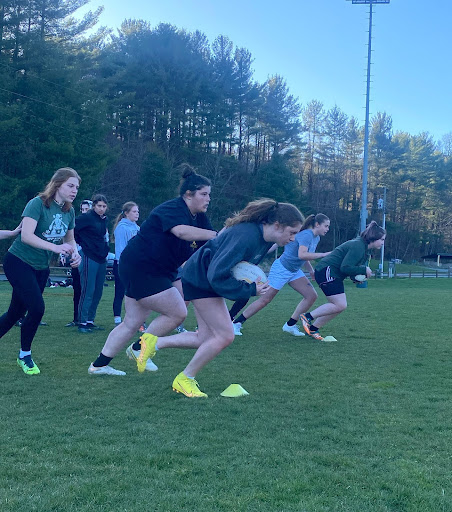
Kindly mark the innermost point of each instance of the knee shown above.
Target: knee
(180, 315)
(342, 307)
(223, 339)
(311, 297)
(37, 310)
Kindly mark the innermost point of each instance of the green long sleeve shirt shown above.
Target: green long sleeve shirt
(348, 259)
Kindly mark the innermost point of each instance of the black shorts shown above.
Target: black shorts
(328, 284)
(139, 284)
(192, 292)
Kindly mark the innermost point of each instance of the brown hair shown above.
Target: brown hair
(126, 207)
(267, 211)
(372, 233)
(191, 181)
(60, 177)
(312, 220)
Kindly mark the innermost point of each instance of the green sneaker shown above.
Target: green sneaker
(28, 366)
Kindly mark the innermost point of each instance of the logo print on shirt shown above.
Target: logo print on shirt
(57, 229)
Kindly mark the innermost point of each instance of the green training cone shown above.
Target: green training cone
(234, 390)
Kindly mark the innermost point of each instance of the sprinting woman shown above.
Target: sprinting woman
(47, 228)
(148, 268)
(286, 269)
(207, 278)
(347, 260)
(124, 229)
(92, 235)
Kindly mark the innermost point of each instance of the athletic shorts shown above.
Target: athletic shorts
(328, 284)
(279, 275)
(139, 284)
(192, 292)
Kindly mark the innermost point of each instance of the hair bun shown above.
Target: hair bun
(186, 171)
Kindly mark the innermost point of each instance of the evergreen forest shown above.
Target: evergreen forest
(126, 107)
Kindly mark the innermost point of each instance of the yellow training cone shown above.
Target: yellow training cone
(234, 390)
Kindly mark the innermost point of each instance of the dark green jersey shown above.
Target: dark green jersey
(348, 259)
(52, 226)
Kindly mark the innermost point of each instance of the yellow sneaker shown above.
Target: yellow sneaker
(148, 350)
(189, 387)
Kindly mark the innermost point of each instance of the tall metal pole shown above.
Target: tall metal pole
(363, 213)
(363, 216)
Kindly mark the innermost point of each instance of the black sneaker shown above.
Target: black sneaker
(94, 327)
(84, 329)
(71, 324)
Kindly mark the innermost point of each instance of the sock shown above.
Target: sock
(240, 320)
(309, 316)
(313, 328)
(24, 353)
(102, 360)
(291, 322)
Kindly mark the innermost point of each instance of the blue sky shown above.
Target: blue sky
(320, 48)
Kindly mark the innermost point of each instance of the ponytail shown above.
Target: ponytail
(267, 211)
(126, 207)
(372, 233)
(312, 220)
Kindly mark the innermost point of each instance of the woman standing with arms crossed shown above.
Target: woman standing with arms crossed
(148, 267)
(92, 236)
(347, 260)
(47, 228)
(207, 278)
(286, 269)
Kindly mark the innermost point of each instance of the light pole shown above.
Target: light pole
(363, 214)
(382, 206)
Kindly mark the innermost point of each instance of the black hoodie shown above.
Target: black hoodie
(90, 230)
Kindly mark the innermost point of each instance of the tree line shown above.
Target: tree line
(126, 108)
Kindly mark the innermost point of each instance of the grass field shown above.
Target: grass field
(361, 425)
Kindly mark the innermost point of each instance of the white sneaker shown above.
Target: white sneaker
(117, 320)
(104, 370)
(237, 326)
(181, 328)
(292, 329)
(133, 356)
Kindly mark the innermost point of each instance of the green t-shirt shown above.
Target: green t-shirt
(52, 226)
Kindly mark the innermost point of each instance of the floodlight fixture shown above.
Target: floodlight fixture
(363, 214)
(370, 1)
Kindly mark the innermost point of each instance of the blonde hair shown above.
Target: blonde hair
(267, 211)
(60, 177)
(126, 207)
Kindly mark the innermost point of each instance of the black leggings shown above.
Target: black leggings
(28, 285)
(119, 291)
(77, 290)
